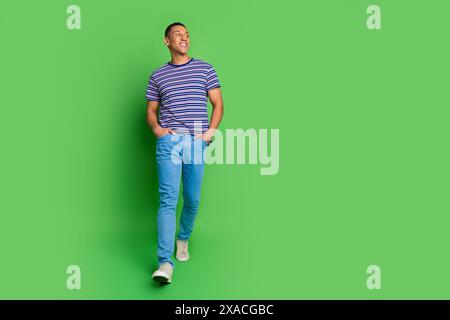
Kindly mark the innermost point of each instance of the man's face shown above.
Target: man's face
(178, 39)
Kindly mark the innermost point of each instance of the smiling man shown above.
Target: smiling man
(180, 89)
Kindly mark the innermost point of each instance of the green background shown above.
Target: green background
(364, 176)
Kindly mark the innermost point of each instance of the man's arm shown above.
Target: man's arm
(215, 97)
(152, 119)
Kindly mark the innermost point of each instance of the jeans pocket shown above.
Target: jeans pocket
(159, 138)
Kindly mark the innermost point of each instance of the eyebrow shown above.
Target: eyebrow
(179, 31)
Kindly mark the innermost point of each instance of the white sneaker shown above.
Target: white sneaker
(182, 250)
(164, 273)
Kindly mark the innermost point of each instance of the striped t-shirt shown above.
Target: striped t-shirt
(182, 93)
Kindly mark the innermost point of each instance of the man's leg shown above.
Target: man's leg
(169, 172)
(193, 170)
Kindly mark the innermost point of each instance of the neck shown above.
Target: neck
(179, 58)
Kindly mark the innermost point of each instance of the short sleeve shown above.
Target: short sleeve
(152, 93)
(212, 81)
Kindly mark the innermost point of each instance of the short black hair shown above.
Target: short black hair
(172, 25)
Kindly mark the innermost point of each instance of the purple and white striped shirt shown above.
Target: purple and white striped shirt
(182, 92)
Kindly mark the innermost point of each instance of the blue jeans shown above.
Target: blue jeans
(177, 155)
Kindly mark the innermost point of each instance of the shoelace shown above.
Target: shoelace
(183, 246)
(166, 267)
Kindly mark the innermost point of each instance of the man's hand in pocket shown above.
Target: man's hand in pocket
(160, 131)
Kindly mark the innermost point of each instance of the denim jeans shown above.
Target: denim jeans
(177, 155)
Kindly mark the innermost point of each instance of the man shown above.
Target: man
(180, 89)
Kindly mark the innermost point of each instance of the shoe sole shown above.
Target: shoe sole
(161, 278)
